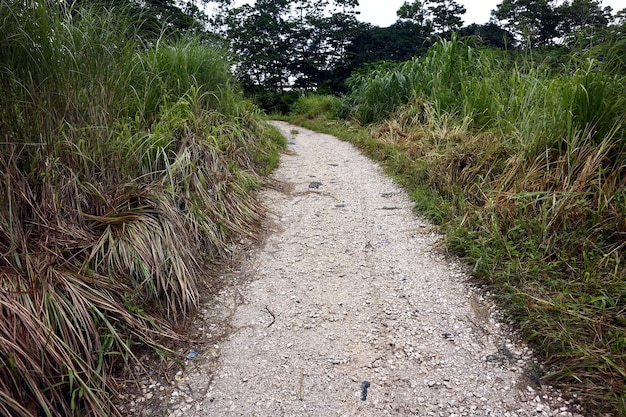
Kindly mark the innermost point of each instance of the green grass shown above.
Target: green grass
(525, 170)
(125, 168)
(316, 106)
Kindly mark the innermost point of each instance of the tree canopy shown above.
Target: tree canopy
(279, 45)
(439, 15)
(546, 22)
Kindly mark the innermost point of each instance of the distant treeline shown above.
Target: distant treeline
(280, 48)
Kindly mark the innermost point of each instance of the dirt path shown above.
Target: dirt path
(350, 309)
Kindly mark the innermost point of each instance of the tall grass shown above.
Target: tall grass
(125, 167)
(494, 90)
(526, 170)
(316, 106)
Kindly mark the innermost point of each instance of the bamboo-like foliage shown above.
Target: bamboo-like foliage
(517, 98)
(124, 169)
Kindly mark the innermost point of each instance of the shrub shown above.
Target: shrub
(124, 168)
(316, 106)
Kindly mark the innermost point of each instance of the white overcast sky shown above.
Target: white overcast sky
(383, 12)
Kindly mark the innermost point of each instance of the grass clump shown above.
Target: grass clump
(316, 106)
(124, 169)
(525, 170)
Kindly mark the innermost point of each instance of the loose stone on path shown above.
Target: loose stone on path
(350, 309)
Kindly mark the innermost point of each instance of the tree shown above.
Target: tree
(329, 28)
(439, 15)
(620, 18)
(156, 17)
(489, 34)
(582, 20)
(415, 12)
(535, 21)
(258, 40)
(305, 40)
(280, 43)
(446, 15)
(217, 11)
(399, 42)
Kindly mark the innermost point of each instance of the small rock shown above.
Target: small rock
(364, 386)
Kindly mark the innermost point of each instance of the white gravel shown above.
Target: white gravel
(351, 290)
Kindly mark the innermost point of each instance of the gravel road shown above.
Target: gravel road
(350, 308)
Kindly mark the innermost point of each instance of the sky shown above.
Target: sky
(382, 13)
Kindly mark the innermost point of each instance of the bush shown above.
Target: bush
(316, 106)
(124, 169)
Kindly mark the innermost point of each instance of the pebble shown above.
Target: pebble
(395, 314)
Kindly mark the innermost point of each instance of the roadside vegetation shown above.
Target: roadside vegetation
(524, 167)
(129, 159)
(126, 166)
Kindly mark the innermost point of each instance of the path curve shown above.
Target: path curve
(352, 310)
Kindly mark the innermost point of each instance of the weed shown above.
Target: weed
(524, 169)
(123, 168)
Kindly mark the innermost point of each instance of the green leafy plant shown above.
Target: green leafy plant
(124, 169)
(524, 168)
